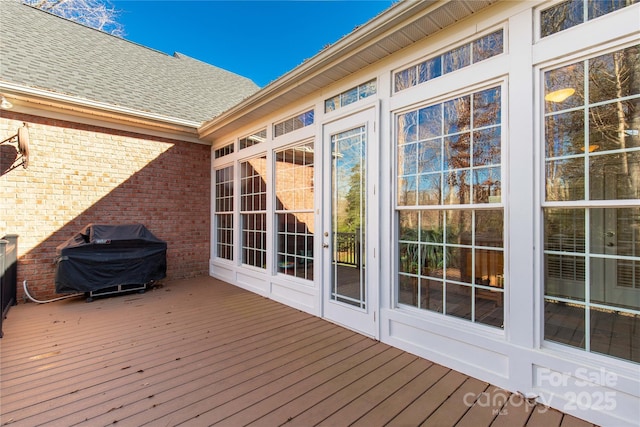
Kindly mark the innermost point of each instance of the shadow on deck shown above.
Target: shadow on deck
(203, 352)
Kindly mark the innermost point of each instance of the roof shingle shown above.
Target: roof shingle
(42, 51)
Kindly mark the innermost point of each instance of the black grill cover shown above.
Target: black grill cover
(102, 256)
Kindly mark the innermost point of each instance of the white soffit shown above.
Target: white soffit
(398, 27)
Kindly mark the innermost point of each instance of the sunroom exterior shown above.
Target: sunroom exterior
(460, 180)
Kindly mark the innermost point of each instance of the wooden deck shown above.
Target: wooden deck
(203, 352)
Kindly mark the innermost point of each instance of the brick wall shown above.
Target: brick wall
(80, 174)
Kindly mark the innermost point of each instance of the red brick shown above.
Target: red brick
(79, 174)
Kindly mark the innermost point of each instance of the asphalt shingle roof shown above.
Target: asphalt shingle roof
(43, 51)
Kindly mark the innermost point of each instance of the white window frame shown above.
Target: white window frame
(541, 203)
(501, 82)
(275, 212)
(232, 213)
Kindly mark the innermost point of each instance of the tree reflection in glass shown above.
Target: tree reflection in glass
(592, 153)
(449, 154)
(570, 13)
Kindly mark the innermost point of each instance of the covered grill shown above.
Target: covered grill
(110, 258)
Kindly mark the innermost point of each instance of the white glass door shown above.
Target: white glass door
(350, 239)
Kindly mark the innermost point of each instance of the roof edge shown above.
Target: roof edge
(87, 103)
(28, 97)
(364, 35)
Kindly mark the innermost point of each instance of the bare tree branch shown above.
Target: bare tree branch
(98, 14)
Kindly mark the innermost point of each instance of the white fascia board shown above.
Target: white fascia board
(366, 35)
(26, 98)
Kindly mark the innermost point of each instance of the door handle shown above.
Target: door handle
(325, 245)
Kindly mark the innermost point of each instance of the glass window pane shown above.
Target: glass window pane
(308, 118)
(432, 226)
(458, 264)
(615, 126)
(615, 231)
(430, 69)
(615, 334)
(408, 159)
(459, 225)
(431, 295)
(456, 59)
(294, 123)
(488, 46)
(564, 230)
(564, 323)
(447, 253)
(405, 79)
(565, 180)
(600, 7)
(594, 247)
(409, 258)
(486, 147)
(482, 48)
(615, 176)
(345, 98)
(487, 186)
(564, 276)
(407, 127)
(430, 119)
(561, 16)
(489, 307)
(431, 261)
(430, 189)
(224, 236)
(224, 189)
(457, 188)
(349, 97)
(607, 290)
(224, 151)
(408, 290)
(489, 267)
(564, 134)
(564, 87)
(489, 228)
(486, 107)
(253, 191)
(564, 235)
(254, 239)
(367, 89)
(457, 153)
(457, 115)
(407, 191)
(295, 244)
(459, 301)
(253, 139)
(408, 225)
(614, 75)
(278, 129)
(332, 104)
(430, 156)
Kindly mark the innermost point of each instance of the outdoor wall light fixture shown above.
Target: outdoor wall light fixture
(5, 104)
(21, 138)
(559, 95)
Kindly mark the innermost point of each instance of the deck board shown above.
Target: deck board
(436, 393)
(451, 411)
(359, 407)
(203, 352)
(322, 384)
(403, 397)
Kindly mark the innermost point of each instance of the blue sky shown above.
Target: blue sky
(261, 40)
